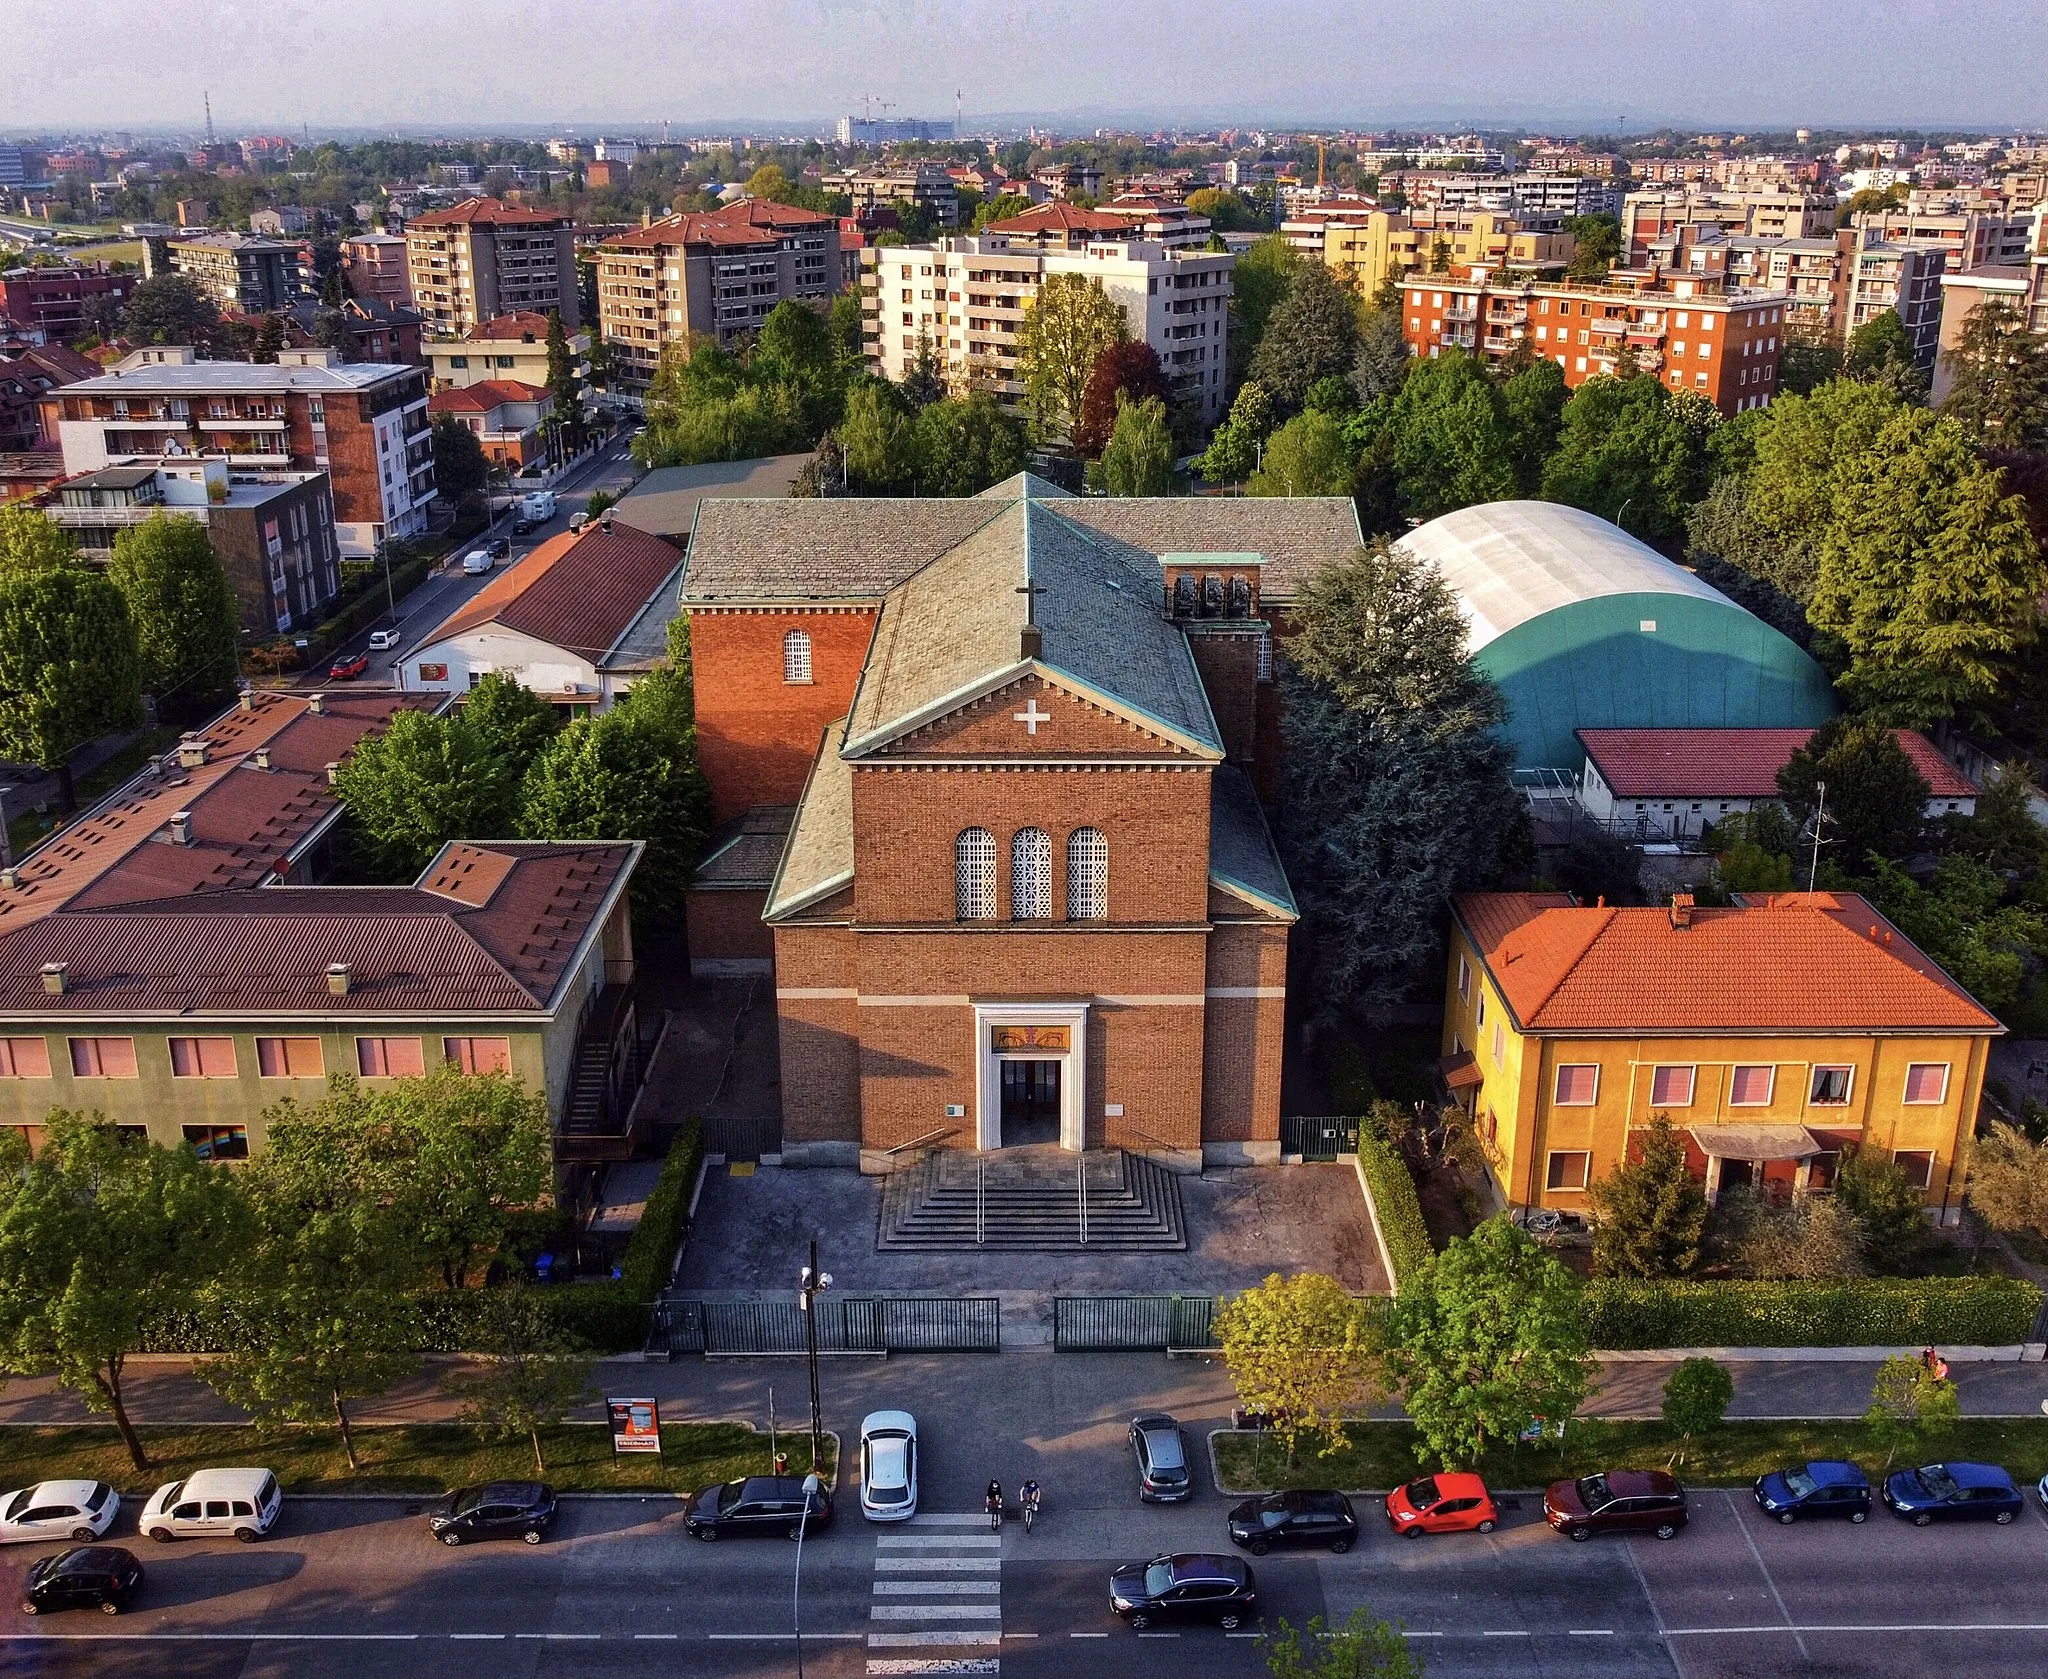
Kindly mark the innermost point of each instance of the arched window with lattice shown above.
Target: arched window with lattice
(1030, 875)
(796, 656)
(974, 875)
(1087, 875)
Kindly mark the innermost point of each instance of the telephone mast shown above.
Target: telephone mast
(208, 98)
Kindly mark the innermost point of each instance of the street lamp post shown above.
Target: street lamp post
(796, 1590)
(813, 1283)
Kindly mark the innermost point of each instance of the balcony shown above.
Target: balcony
(211, 422)
(1610, 327)
(1462, 312)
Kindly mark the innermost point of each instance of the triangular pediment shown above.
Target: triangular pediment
(1035, 713)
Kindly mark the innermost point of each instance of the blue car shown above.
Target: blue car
(1825, 1487)
(1953, 1492)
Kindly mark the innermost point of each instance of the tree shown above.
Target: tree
(1652, 1211)
(564, 388)
(1532, 401)
(878, 440)
(1999, 379)
(1696, 1397)
(30, 543)
(1960, 918)
(999, 209)
(1066, 326)
(1234, 451)
(69, 667)
(184, 611)
(1138, 460)
(625, 774)
(769, 182)
(1227, 211)
(962, 445)
(460, 469)
(530, 1375)
(1381, 362)
(169, 309)
(1489, 1340)
(101, 1239)
(2009, 1180)
(1258, 282)
(1308, 456)
(1807, 360)
(102, 316)
(1596, 245)
(1929, 575)
(1814, 1240)
(511, 726)
(1130, 369)
(1311, 334)
(1631, 452)
(1887, 1208)
(1362, 1648)
(1397, 790)
(1452, 444)
(1302, 1352)
(1880, 351)
(1909, 1404)
(269, 340)
(1875, 794)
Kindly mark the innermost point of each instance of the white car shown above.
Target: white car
(213, 1504)
(888, 1466)
(76, 1510)
(382, 641)
(476, 562)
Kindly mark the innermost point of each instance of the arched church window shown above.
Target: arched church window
(974, 875)
(1030, 875)
(1087, 875)
(796, 656)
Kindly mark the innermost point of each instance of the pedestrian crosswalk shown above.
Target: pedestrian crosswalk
(937, 1605)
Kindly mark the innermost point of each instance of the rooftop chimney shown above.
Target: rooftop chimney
(55, 980)
(10, 877)
(248, 700)
(1681, 909)
(333, 771)
(1031, 644)
(263, 757)
(339, 974)
(181, 827)
(192, 751)
(317, 704)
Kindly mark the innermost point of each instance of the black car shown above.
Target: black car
(759, 1504)
(1162, 1453)
(1185, 1587)
(104, 1575)
(499, 1510)
(499, 547)
(1294, 1518)
(522, 524)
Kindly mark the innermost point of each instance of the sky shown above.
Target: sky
(274, 65)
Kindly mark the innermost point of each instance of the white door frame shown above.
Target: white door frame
(988, 1080)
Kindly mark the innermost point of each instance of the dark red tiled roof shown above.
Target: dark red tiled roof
(489, 210)
(522, 325)
(750, 221)
(1733, 763)
(578, 591)
(1061, 217)
(483, 396)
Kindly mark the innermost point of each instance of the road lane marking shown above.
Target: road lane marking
(935, 1612)
(1503, 1635)
(947, 1521)
(1590, 1632)
(649, 1637)
(1158, 1635)
(1762, 1568)
(1901, 1626)
(939, 1542)
(774, 1637)
(899, 1640)
(1087, 1635)
(558, 1637)
(938, 1565)
(459, 1636)
(935, 1588)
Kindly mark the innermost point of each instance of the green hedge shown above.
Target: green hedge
(1400, 1213)
(644, 1271)
(1626, 1314)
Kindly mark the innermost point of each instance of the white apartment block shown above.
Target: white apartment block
(963, 301)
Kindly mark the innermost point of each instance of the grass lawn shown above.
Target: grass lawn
(1382, 1454)
(429, 1457)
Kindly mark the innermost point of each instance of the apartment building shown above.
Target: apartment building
(1367, 250)
(52, 301)
(376, 267)
(1905, 278)
(924, 186)
(1781, 213)
(1060, 226)
(718, 273)
(2013, 285)
(509, 419)
(510, 347)
(272, 530)
(1811, 272)
(26, 378)
(243, 275)
(1973, 238)
(964, 300)
(482, 258)
(1530, 191)
(362, 423)
(1693, 332)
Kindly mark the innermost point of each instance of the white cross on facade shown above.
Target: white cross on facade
(1031, 716)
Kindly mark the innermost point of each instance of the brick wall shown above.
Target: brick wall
(1246, 1036)
(820, 1035)
(756, 734)
(352, 460)
(1071, 725)
(726, 926)
(1230, 673)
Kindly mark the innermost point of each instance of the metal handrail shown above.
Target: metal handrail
(1081, 1179)
(919, 1142)
(980, 1202)
(1156, 1142)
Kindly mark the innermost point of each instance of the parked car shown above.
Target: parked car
(80, 1510)
(347, 670)
(1162, 1453)
(476, 562)
(888, 1466)
(759, 1504)
(1442, 1504)
(1824, 1487)
(382, 641)
(1621, 1501)
(213, 1504)
(1953, 1492)
(1184, 1587)
(1294, 1518)
(498, 1510)
(101, 1575)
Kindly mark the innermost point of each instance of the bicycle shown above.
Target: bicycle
(1028, 1498)
(994, 1505)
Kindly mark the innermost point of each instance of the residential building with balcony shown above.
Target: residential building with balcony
(244, 276)
(1059, 226)
(718, 273)
(964, 301)
(1780, 213)
(1367, 250)
(509, 419)
(52, 300)
(2010, 284)
(377, 267)
(1694, 333)
(373, 330)
(1972, 238)
(924, 186)
(364, 424)
(482, 258)
(1903, 278)
(273, 531)
(26, 378)
(510, 347)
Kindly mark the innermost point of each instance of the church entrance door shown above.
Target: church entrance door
(1031, 1102)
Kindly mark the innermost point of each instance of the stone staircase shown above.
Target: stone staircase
(1028, 1200)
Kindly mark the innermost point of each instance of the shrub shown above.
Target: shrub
(644, 1271)
(1397, 1208)
(1625, 1313)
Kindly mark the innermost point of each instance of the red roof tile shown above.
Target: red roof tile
(489, 210)
(1733, 763)
(483, 396)
(750, 221)
(1802, 962)
(1061, 217)
(578, 591)
(521, 326)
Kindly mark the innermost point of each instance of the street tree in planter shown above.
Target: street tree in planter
(1303, 1353)
(1696, 1398)
(1909, 1405)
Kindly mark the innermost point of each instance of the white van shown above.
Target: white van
(213, 1504)
(476, 562)
(539, 506)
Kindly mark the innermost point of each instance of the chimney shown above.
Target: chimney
(55, 980)
(317, 704)
(333, 771)
(338, 976)
(191, 751)
(10, 877)
(1681, 909)
(263, 757)
(248, 700)
(181, 827)
(1032, 643)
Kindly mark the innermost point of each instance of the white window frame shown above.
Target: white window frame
(796, 659)
(1692, 1084)
(1848, 1089)
(1464, 979)
(1557, 1084)
(1770, 1083)
(1909, 1101)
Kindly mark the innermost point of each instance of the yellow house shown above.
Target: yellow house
(1365, 252)
(1776, 1036)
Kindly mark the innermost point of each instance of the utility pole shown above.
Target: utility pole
(1820, 815)
(813, 1283)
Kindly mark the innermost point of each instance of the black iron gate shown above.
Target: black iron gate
(1133, 1322)
(849, 1323)
(1318, 1136)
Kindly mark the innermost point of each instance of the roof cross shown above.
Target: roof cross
(1031, 716)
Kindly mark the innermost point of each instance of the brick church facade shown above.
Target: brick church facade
(985, 771)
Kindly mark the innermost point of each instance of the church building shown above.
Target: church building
(985, 771)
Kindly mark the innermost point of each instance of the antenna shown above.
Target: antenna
(208, 98)
(957, 95)
(1820, 816)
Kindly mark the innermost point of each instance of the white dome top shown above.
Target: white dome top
(1510, 561)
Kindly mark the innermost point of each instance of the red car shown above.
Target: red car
(345, 670)
(1442, 1504)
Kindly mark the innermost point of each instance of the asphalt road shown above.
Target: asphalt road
(446, 588)
(355, 1590)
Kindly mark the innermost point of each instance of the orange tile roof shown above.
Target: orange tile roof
(1061, 217)
(750, 221)
(493, 211)
(522, 325)
(1734, 763)
(1798, 962)
(483, 396)
(579, 591)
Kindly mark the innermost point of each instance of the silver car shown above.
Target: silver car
(1162, 1453)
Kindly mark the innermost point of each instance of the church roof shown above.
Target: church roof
(1242, 857)
(818, 859)
(955, 630)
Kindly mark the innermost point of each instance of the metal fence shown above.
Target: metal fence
(847, 1323)
(1318, 1137)
(1133, 1322)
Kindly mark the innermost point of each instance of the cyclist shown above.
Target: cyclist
(1027, 1498)
(994, 1502)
